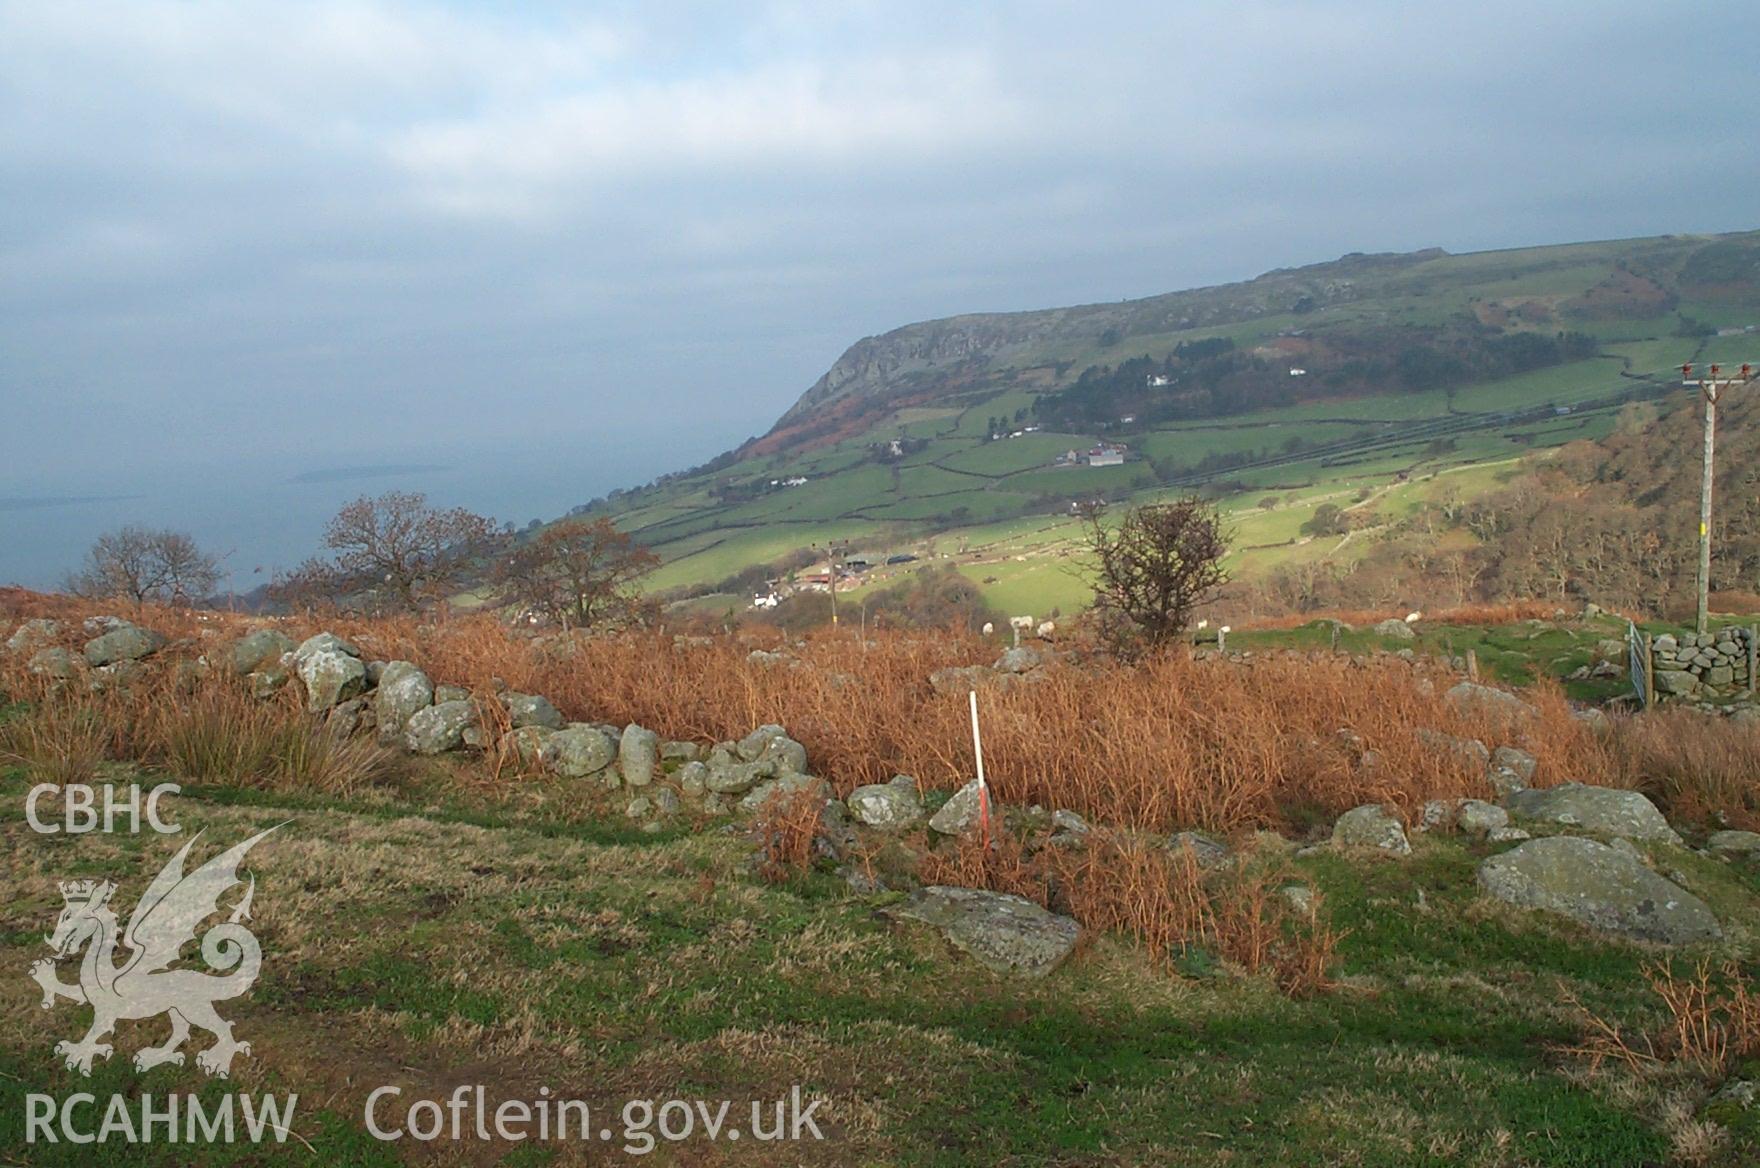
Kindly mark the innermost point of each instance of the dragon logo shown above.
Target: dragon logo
(143, 985)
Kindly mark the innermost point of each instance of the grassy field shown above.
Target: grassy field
(425, 938)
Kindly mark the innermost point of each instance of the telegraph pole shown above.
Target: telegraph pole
(1709, 387)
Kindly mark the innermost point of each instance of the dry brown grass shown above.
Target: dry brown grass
(1713, 1023)
(1158, 896)
(1695, 766)
(784, 829)
(1170, 743)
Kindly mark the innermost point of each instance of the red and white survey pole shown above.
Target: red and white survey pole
(983, 787)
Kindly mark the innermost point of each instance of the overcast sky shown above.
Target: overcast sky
(355, 231)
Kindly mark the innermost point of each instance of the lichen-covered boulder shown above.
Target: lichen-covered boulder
(784, 786)
(579, 750)
(1004, 933)
(888, 806)
(56, 663)
(1599, 886)
(440, 728)
(638, 755)
(127, 643)
(323, 643)
(1393, 627)
(526, 745)
(403, 690)
(1500, 706)
(1373, 827)
(1606, 810)
(533, 710)
(34, 635)
(330, 678)
(258, 649)
(771, 743)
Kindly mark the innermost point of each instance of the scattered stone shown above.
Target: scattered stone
(34, 635)
(1470, 697)
(533, 710)
(1479, 818)
(97, 626)
(1520, 761)
(1470, 751)
(1208, 852)
(259, 649)
(1438, 815)
(1598, 886)
(680, 751)
(1371, 826)
(693, 779)
(770, 743)
(1507, 835)
(323, 643)
(439, 728)
(330, 677)
(1739, 1093)
(638, 807)
(269, 681)
(959, 814)
(128, 643)
(1734, 843)
(451, 693)
(403, 689)
(1599, 809)
(526, 745)
(665, 801)
(1068, 824)
(1300, 897)
(736, 778)
(888, 806)
(1019, 660)
(56, 663)
(1395, 628)
(785, 786)
(346, 717)
(117, 676)
(1004, 933)
(580, 750)
(638, 754)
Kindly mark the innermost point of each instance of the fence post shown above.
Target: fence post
(1753, 645)
(1473, 665)
(1649, 671)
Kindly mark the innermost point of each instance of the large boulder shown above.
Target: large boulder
(403, 689)
(1734, 843)
(638, 754)
(887, 806)
(438, 729)
(1371, 826)
(533, 710)
(527, 745)
(331, 677)
(1393, 627)
(580, 750)
(258, 649)
(1599, 886)
(727, 776)
(127, 643)
(1005, 933)
(33, 635)
(1605, 810)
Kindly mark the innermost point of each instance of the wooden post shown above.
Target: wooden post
(1753, 645)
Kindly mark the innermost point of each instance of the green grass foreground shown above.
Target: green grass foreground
(440, 934)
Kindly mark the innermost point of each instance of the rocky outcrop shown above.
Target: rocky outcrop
(1603, 887)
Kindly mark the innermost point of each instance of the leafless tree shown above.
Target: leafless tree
(393, 553)
(142, 564)
(577, 573)
(1153, 568)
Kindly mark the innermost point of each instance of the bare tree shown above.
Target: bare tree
(577, 573)
(143, 564)
(1152, 569)
(393, 553)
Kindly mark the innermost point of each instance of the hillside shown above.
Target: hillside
(968, 438)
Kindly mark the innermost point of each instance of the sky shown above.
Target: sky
(607, 241)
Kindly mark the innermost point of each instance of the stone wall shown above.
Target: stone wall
(1703, 665)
